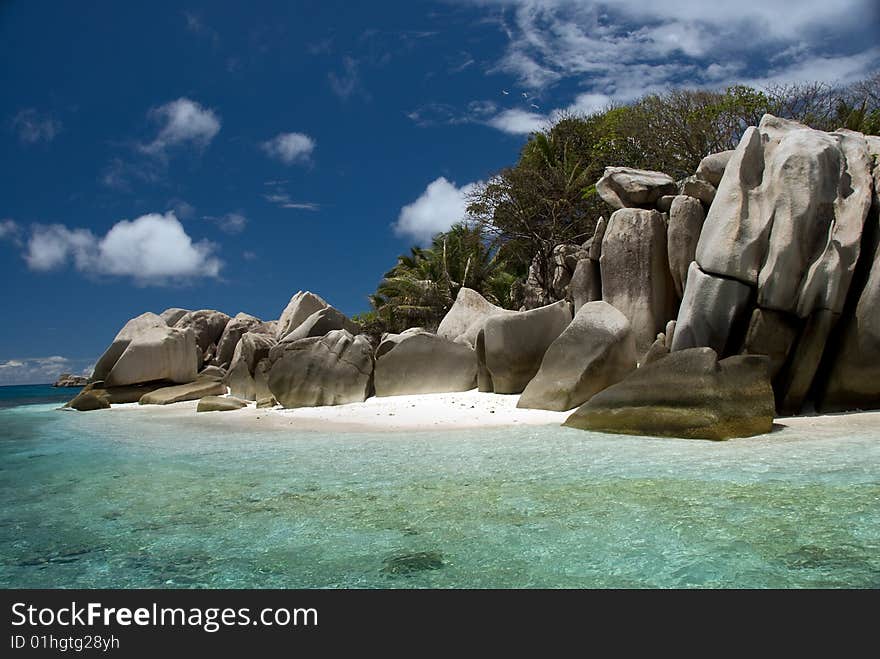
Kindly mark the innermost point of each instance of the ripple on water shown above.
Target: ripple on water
(112, 500)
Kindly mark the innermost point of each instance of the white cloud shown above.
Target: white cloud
(151, 249)
(40, 370)
(441, 205)
(348, 81)
(518, 122)
(230, 223)
(620, 51)
(290, 147)
(33, 126)
(183, 121)
(9, 230)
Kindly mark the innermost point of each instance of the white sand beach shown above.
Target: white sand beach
(446, 411)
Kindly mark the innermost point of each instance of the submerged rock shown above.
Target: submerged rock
(595, 351)
(415, 562)
(686, 394)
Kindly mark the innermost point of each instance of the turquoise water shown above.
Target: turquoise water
(30, 394)
(113, 499)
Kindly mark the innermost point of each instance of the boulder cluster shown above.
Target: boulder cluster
(699, 308)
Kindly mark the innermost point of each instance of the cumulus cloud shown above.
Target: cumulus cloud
(151, 249)
(182, 122)
(623, 50)
(33, 126)
(441, 205)
(518, 122)
(290, 148)
(40, 370)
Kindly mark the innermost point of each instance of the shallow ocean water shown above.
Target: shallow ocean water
(121, 499)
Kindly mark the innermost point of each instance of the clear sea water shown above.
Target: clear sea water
(116, 499)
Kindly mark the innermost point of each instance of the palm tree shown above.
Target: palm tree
(423, 285)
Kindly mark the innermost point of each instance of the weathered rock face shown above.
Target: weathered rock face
(853, 380)
(130, 330)
(153, 352)
(319, 323)
(789, 214)
(233, 331)
(250, 350)
(206, 324)
(698, 189)
(301, 306)
(586, 283)
(596, 350)
(465, 319)
(87, 401)
(685, 224)
(635, 272)
(113, 395)
(179, 393)
(771, 333)
(711, 168)
(172, 315)
(658, 350)
(514, 344)
(598, 236)
(331, 370)
(709, 311)
(423, 363)
(220, 404)
(686, 394)
(624, 187)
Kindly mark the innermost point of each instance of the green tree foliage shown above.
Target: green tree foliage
(422, 286)
(548, 197)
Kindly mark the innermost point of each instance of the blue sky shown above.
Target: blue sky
(226, 155)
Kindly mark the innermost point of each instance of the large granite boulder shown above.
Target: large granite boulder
(514, 344)
(465, 319)
(771, 333)
(789, 214)
(182, 392)
(697, 188)
(154, 353)
(250, 350)
(88, 400)
(596, 350)
(331, 370)
(172, 315)
(233, 331)
(686, 218)
(129, 331)
(220, 404)
(301, 306)
(319, 323)
(709, 311)
(853, 380)
(586, 283)
(686, 394)
(423, 363)
(131, 393)
(624, 187)
(208, 326)
(634, 268)
(711, 168)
